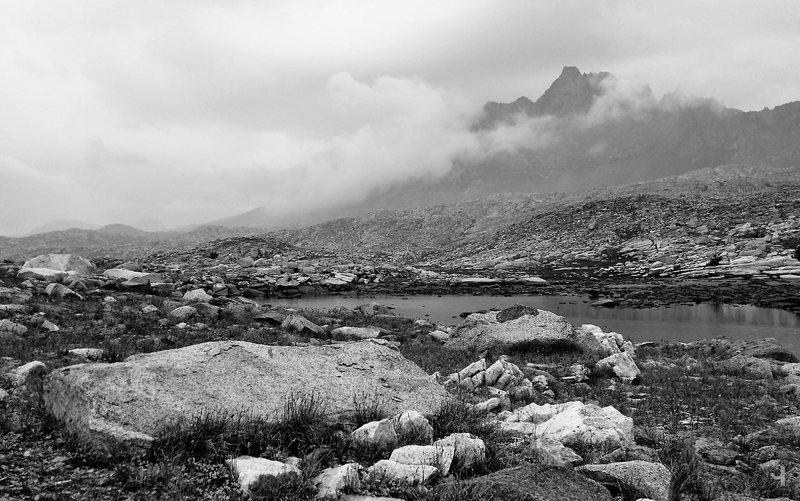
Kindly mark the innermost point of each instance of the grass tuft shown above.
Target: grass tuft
(368, 407)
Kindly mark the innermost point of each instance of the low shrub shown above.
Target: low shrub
(302, 427)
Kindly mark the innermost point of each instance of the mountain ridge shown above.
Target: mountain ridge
(602, 133)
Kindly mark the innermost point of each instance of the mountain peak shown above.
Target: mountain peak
(572, 92)
(570, 73)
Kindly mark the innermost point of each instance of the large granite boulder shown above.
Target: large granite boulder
(531, 482)
(61, 262)
(126, 404)
(482, 332)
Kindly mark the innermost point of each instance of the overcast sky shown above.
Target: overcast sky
(184, 112)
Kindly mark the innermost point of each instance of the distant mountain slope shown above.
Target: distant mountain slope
(116, 241)
(62, 225)
(517, 224)
(122, 230)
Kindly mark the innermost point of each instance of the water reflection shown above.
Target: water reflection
(675, 323)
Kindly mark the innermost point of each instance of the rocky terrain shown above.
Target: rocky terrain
(154, 384)
(157, 369)
(728, 235)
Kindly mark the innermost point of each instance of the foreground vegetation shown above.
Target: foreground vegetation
(681, 394)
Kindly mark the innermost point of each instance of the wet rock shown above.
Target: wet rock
(125, 404)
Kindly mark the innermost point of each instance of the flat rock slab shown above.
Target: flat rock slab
(128, 403)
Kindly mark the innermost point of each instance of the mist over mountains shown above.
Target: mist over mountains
(586, 130)
(590, 130)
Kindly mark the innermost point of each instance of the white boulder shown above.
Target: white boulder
(357, 332)
(197, 296)
(621, 364)
(393, 472)
(573, 423)
(332, 481)
(376, 434)
(248, 470)
(414, 425)
(61, 262)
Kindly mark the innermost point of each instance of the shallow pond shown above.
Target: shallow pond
(674, 323)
